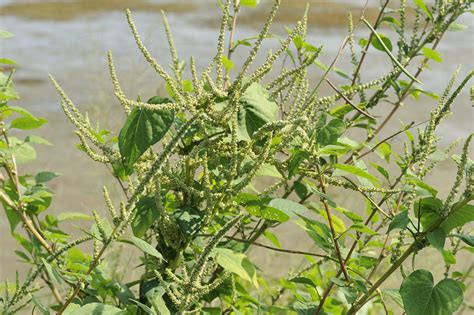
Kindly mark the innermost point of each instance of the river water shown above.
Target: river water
(70, 39)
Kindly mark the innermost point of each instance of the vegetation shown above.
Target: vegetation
(191, 166)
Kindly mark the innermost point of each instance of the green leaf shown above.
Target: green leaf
(43, 309)
(7, 61)
(431, 54)
(422, 5)
(189, 220)
(297, 157)
(391, 20)
(257, 207)
(155, 296)
(43, 177)
(388, 51)
(12, 216)
(144, 307)
(448, 257)
(438, 156)
(342, 74)
(319, 233)
(424, 186)
(269, 170)
(289, 207)
(37, 140)
(228, 64)
(385, 40)
(394, 295)
(421, 297)
(142, 129)
(458, 217)
(268, 213)
(400, 221)
(381, 170)
(272, 238)
(94, 309)
(384, 151)
(236, 263)
(437, 238)
(187, 86)
(354, 217)
(456, 27)
(428, 210)
(71, 309)
(8, 93)
(362, 228)
(146, 248)
(255, 110)
(23, 152)
(468, 239)
(301, 190)
(66, 216)
(321, 195)
(27, 123)
(338, 224)
(53, 274)
(355, 171)
(5, 34)
(305, 308)
(146, 215)
(249, 3)
(304, 280)
(331, 132)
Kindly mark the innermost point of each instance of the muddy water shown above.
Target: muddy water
(70, 39)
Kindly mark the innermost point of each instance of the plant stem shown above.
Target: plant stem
(230, 49)
(80, 281)
(366, 49)
(358, 304)
(354, 244)
(331, 226)
(348, 101)
(405, 94)
(288, 251)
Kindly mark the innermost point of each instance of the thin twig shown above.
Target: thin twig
(331, 226)
(366, 49)
(349, 101)
(288, 251)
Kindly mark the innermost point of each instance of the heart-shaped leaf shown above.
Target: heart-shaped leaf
(142, 129)
(255, 110)
(421, 297)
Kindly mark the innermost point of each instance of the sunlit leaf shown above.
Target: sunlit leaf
(255, 110)
(385, 40)
(331, 132)
(422, 5)
(145, 247)
(236, 263)
(142, 129)
(431, 54)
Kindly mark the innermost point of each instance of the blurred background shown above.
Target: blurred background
(70, 39)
